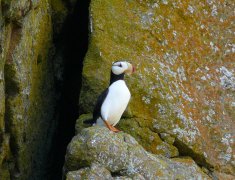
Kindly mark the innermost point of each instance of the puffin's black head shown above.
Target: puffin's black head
(119, 69)
(122, 67)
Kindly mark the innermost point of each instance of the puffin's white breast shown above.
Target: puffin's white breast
(116, 102)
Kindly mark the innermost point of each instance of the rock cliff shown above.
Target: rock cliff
(183, 91)
(180, 121)
(27, 94)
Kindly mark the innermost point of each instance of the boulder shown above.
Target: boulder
(150, 140)
(183, 89)
(97, 152)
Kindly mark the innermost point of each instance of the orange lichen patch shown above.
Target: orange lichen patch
(184, 57)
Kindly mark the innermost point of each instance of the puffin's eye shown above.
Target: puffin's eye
(120, 65)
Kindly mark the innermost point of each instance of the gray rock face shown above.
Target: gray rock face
(27, 93)
(185, 79)
(97, 172)
(119, 154)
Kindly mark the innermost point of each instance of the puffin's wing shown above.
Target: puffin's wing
(100, 100)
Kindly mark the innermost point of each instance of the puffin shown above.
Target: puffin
(113, 101)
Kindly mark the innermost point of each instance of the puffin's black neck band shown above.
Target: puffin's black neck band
(115, 77)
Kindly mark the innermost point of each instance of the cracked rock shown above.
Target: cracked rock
(98, 152)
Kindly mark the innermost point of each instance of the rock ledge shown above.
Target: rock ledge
(98, 153)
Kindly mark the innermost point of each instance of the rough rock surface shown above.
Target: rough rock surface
(183, 90)
(26, 85)
(102, 153)
(156, 144)
(97, 172)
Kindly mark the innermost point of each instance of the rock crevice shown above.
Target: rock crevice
(28, 93)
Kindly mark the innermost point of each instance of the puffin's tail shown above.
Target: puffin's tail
(89, 121)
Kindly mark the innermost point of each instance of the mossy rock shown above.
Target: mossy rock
(120, 154)
(80, 125)
(184, 84)
(27, 93)
(150, 140)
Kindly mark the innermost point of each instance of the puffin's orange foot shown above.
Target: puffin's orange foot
(108, 125)
(111, 128)
(115, 129)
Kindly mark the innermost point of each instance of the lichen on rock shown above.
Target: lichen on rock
(96, 152)
(184, 83)
(150, 140)
(27, 94)
(97, 172)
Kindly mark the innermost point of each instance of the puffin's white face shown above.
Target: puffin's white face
(120, 67)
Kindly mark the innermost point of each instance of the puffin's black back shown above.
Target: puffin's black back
(100, 100)
(97, 109)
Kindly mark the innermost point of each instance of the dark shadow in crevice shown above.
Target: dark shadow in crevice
(184, 150)
(116, 174)
(73, 41)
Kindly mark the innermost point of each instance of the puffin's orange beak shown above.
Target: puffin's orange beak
(130, 69)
